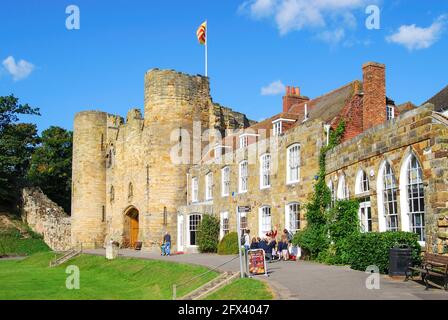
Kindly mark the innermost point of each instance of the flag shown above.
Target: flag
(202, 33)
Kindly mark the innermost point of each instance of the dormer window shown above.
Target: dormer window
(277, 126)
(390, 112)
(244, 139)
(306, 115)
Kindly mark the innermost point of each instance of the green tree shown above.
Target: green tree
(51, 165)
(17, 142)
(10, 109)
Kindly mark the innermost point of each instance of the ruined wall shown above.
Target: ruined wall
(46, 218)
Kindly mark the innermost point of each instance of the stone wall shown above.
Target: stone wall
(420, 132)
(46, 218)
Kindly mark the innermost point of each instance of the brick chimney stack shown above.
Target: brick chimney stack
(292, 97)
(374, 100)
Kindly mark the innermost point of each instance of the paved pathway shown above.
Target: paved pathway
(308, 280)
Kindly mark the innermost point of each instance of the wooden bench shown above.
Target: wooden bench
(433, 265)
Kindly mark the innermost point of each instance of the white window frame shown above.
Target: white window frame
(292, 224)
(243, 180)
(189, 228)
(342, 192)
(383, 197)
(293, 164)
(265, 221)
(209, 186)
(390, 112)
(244, 141)
(194, 189)
(365, 208)
(277, 128)
(265, 171)
(407, 206)
(362, 181)
(225, 181)
(224, 225)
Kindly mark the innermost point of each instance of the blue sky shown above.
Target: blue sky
(317, 45)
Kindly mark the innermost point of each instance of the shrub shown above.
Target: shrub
(372, 248)
(228, 244)
(312, 239)
(208, 233)
(342, 223)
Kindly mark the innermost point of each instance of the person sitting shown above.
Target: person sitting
(254, 244)
(263, 244)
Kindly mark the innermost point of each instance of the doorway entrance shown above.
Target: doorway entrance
(132, 228)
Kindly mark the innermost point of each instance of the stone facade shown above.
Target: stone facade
(127, 186)
(419, 132)
(46, 218)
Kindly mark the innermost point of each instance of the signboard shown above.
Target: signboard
(257, 262)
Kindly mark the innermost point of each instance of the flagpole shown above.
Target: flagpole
(206, 48)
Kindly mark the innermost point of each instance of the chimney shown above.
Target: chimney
(374, 100)
(292, 97)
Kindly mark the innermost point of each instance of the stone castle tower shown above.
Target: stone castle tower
(126, 187)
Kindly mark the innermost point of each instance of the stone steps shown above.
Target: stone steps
(212, 286)
(70, 254)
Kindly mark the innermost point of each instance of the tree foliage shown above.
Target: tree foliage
(51, 166)
(208, 234)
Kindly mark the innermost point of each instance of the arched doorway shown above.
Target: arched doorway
(131, 228)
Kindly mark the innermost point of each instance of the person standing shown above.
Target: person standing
(247, 239)
(167, 243)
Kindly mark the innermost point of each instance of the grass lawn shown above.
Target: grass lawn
(121, 279)
(243, 289)
(12, 243)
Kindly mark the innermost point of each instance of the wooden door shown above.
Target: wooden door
(134, 231)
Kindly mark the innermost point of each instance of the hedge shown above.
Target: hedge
(367, 249)
(208, 234)
(228, 244)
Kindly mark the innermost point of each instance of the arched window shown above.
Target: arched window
(292, 217)
(342, 193)
(387, 199)
(412, 197)
(265, 221)
(265, 171)
(362, 182)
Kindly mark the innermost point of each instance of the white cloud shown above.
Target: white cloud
(415, 38)
(18, 71)
(332, 37)
(275, 88)
(290, 15)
